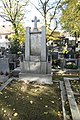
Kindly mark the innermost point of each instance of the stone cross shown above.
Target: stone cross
(35, 22)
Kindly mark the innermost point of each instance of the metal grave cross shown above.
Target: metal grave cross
(35, 22)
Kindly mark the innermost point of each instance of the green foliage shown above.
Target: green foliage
(13, 11)
(71, 66)
(52, 35)
(15, 47)
(70, 18)
(17, 40)
(20, 35)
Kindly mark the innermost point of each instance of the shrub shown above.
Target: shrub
(71, 66)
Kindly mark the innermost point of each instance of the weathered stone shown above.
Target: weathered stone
(4, 65)
(35, 51)
(73, 105)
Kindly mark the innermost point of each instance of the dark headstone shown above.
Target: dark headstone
(54, 55)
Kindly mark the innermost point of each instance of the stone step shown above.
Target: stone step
(39, 78)
(68, 78)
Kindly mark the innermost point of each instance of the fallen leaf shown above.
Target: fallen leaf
(31, 102)
(15, 114)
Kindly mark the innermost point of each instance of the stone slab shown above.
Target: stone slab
(16, 72)
(4, 65)
(43, 44)
(39, 78)
(72, 71)
(5, 84)
(49, 68)
(27, 44)
(35, 44)
(67, 78)
(35, 67)
(43, 67)
(35, 58)
(73, 105)
(63, 98)
(32, 67)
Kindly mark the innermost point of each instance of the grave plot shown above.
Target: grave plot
(21, 101)
(75, 85)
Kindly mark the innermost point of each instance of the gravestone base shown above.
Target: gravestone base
(43, 68)
(36, 67)
(32, 67)
(36, 78)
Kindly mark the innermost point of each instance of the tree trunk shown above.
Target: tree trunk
(15, 29)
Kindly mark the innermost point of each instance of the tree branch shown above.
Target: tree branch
(41, 1)
(5, 17)
(37, 9)
(55, 11)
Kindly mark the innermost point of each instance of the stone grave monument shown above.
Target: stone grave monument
(4, 69)
(4, 65)
(35, 61)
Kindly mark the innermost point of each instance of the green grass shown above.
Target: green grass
(20, 101)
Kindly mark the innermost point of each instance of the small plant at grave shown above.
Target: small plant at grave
(71, 65)
(1, 73)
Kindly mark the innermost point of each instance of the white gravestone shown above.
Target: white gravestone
(35, 51)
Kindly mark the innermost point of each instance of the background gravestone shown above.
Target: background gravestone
(54, 55)
(4, 65)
